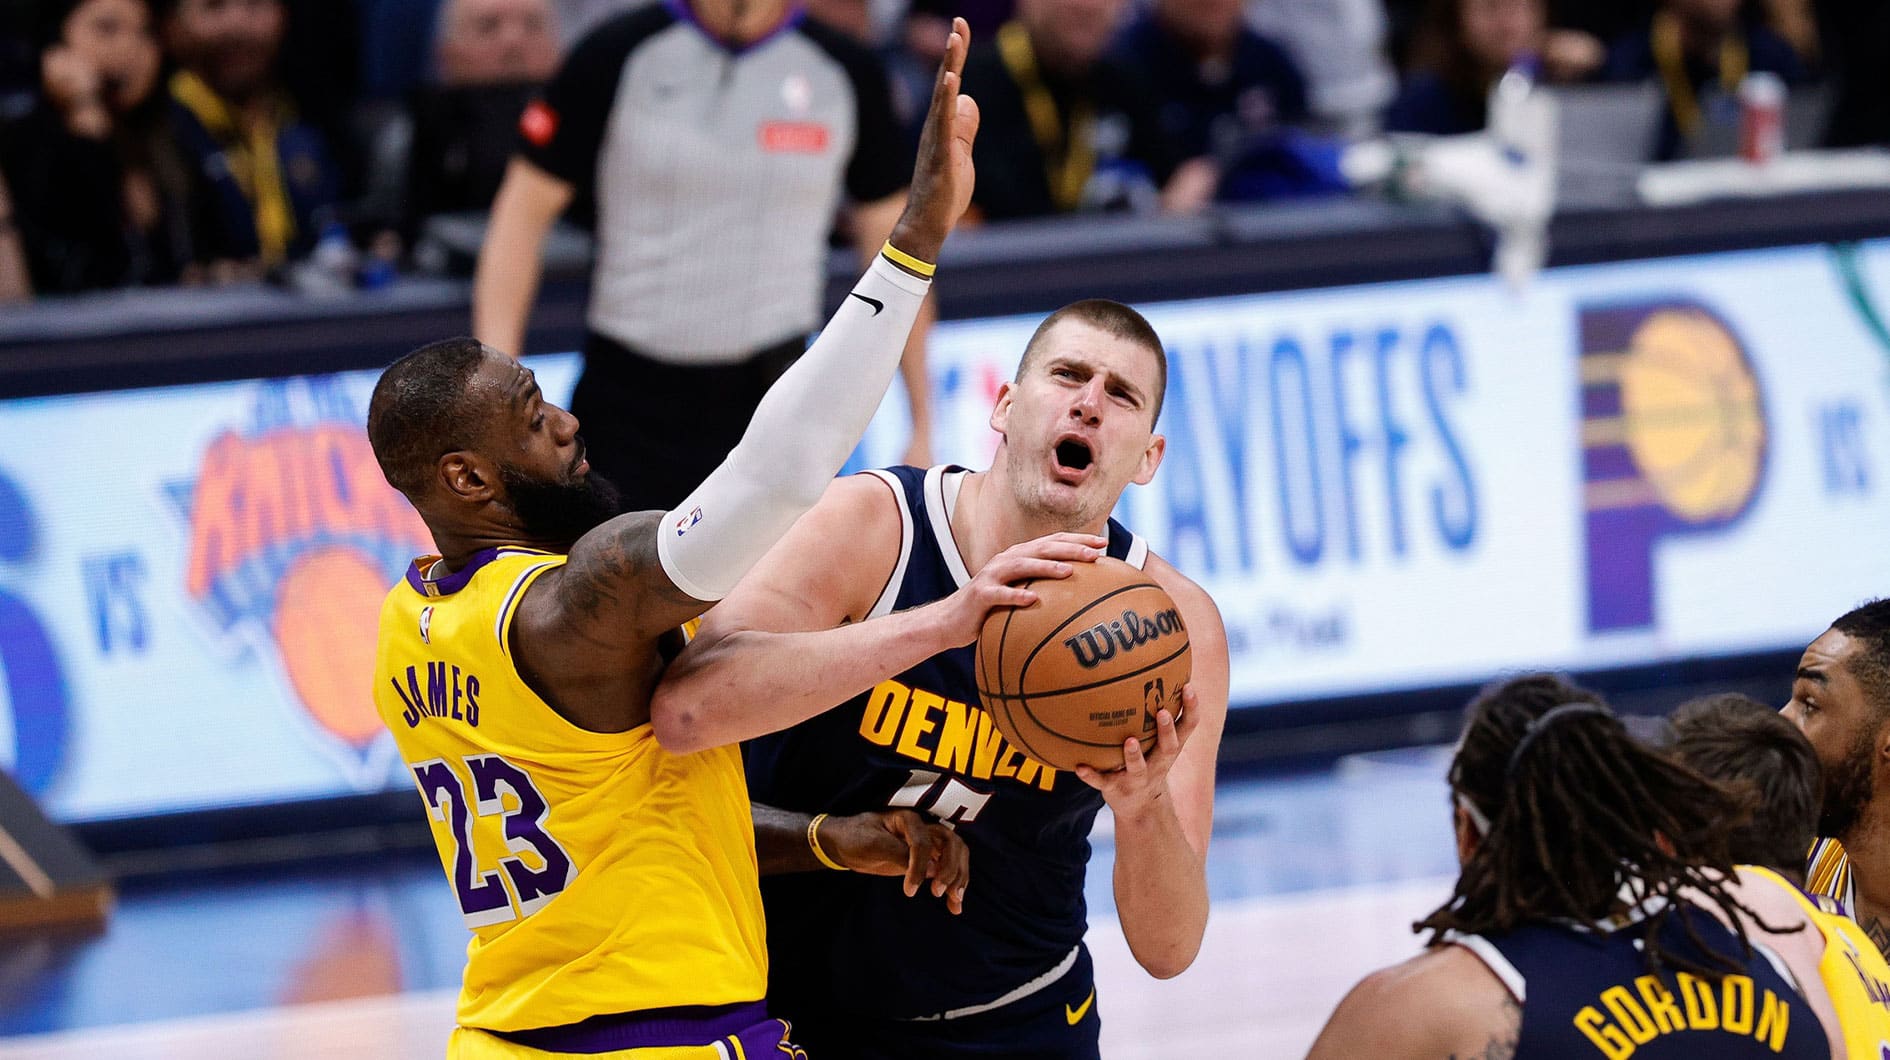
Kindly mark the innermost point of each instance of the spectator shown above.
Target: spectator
(98, 185)
(717, 138)
(496, 42)
(1066, 128)
(264, 183)
(1226, 93)
(492, 56)
(1475, 43)
(1700, 50)
(15, 286)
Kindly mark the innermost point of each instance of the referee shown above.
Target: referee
(716, 139)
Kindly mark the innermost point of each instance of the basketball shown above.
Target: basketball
(1087, 666)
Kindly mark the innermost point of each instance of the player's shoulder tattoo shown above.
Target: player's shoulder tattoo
(1502, 1045)
(616, 566)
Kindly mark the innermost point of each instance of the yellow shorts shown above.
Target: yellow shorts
(469, 1044)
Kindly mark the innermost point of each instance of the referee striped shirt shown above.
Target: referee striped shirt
(715, 172)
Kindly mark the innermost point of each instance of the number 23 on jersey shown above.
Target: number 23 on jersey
(535, 868)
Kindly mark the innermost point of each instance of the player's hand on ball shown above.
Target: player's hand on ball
(994, 586)
(942, 177)
(903, 843)
(1142, 782)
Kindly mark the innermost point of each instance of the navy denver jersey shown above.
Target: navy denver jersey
(1589, 994)
(845, 944)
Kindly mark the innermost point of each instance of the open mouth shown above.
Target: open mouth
(1073, 454)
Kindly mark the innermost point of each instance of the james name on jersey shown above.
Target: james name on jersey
(450, 693)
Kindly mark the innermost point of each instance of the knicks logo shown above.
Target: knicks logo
(294, 538)
(1100, 642)
(1673, 444)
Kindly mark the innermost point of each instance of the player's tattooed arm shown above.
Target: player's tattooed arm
(1502, 1045)
(613, 594)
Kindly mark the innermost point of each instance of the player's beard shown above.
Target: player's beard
(1043, 502)
(563, 509)
(1847, 789)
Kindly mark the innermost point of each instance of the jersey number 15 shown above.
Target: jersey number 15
(514, 890)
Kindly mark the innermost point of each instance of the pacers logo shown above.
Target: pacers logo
(1673, 443)
(294, 539)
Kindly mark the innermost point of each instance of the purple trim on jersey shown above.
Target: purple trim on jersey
(789, 19)
(1824, 903)
(453, 582)
(664, 1028)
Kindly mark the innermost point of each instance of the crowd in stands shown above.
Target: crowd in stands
(159, 142)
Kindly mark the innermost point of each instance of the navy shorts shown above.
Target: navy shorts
(1059, 1022)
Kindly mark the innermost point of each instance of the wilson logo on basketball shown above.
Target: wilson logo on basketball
(1100, 642)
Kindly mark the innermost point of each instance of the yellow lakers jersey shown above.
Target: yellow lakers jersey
(1853, 972)
(598, 873)
(1828, 872)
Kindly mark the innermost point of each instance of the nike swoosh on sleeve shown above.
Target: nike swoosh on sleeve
(874, 302)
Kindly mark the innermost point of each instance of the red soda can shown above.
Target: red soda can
(1761, 117)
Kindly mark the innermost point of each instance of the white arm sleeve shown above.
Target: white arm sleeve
(802, 433)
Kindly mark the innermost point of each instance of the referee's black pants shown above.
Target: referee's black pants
(657, 429)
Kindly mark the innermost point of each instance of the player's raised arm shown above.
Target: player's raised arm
(640, 575)
(1163, 799)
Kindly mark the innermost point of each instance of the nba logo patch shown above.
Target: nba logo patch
(426, 625)
(683, 525)
(798, 93)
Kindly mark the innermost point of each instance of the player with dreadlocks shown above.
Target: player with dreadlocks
(1589, 918)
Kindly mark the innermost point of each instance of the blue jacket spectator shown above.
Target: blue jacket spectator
(1700, 51)
(1223, 91)
(1471, 43)
(1426, 103)
(1065, 128)
(263, 181)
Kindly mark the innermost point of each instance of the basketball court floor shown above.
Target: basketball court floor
(1315, 880)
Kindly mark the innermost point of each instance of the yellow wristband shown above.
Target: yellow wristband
(900, 257)
(813, 843)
